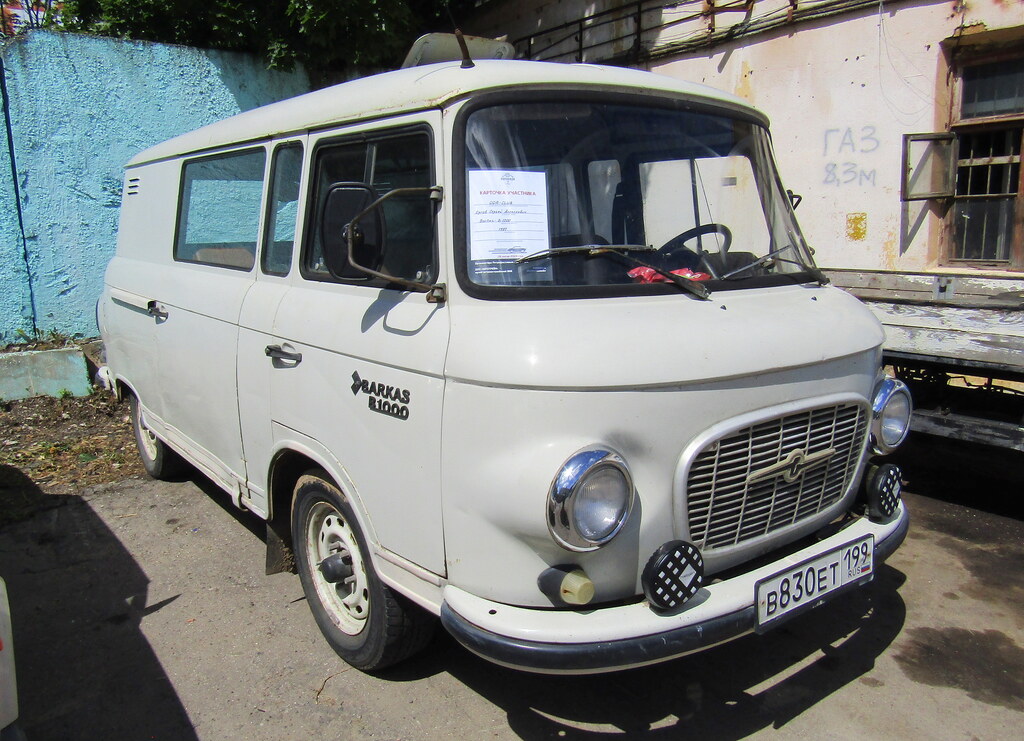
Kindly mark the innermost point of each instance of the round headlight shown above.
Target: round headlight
(892, 409)
(895, 420)
(600, 503)
(589, 500)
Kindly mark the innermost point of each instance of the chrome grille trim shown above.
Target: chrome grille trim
(727, 506)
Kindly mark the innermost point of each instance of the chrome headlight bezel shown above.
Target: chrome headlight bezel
(563, 497)
(888, 392)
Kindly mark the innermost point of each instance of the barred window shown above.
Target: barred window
(987, 189)
(986, 214)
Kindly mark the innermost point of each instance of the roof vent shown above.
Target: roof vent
(445, 47)
(132, 187)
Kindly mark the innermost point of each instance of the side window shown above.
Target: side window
(282, 209)
(385, 164)
(219, 213)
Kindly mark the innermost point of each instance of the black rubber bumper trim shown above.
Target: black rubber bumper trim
(610, 655)
(603, 655)
(887, 547)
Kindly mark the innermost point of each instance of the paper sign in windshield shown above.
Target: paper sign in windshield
(508, 214)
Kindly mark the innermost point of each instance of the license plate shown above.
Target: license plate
(805, 585)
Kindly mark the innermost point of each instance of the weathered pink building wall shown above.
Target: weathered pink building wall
(841, 94)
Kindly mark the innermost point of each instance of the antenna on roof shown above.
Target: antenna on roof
(467, 62)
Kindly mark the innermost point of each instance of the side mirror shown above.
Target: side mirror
(344, 202)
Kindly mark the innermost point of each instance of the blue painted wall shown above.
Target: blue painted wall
(81, 107)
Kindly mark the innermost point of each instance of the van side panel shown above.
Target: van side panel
(172, 327)
(135, 277)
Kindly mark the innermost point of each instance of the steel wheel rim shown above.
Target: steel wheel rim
(348, 601)
(146, 436)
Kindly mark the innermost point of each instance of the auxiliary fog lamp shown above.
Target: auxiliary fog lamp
(881, 491)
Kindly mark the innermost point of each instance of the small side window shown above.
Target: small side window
(282, 209)
(219, 215)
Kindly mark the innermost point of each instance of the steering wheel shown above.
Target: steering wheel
(673, 247)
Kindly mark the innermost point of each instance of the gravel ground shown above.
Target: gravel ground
(54, 446)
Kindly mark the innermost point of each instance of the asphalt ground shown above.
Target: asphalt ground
(141, 611)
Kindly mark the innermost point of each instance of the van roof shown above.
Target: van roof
(420, 88)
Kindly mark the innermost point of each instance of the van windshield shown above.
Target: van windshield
(592, 194)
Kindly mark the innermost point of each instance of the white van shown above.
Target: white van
(537, 348)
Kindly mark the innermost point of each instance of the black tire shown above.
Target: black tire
(157, 458)
(367, 624)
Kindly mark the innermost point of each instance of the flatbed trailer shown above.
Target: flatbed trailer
(957, 339)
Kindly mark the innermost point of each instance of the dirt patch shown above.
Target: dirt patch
(42, 341)
(54, 446)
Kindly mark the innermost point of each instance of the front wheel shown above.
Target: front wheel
(368, 625)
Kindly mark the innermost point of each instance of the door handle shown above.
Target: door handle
(278, 353)
(155, 310)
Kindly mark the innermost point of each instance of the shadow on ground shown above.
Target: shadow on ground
(84, 669)
(974, 475)
(727, 692)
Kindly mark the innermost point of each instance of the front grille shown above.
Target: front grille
(773, 474)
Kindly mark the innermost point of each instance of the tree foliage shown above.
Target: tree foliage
(324, 35)
(16, 15)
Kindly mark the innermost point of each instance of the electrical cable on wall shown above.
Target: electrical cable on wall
(899, 69)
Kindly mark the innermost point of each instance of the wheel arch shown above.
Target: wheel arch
(121, 387)
(288, 464)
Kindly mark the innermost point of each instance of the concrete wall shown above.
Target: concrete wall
(81, 107)
(841, 90)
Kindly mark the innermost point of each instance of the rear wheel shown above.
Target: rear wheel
(158, 459)
(366, 623)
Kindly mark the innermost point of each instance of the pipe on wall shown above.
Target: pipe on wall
(17, 192)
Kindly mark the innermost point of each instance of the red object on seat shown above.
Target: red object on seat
(650, 275)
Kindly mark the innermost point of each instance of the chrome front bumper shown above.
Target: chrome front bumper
(621, 637)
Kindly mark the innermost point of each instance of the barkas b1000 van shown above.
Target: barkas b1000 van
(535, 348)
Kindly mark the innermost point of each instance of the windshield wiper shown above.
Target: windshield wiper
(814, 271)
(691, 286)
